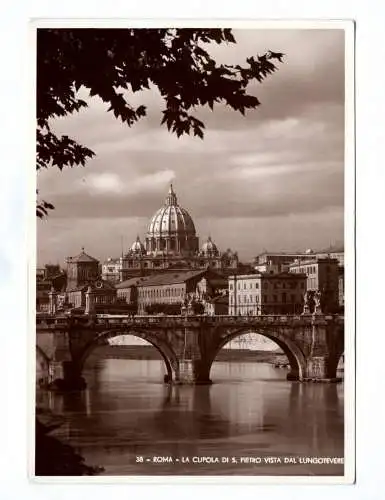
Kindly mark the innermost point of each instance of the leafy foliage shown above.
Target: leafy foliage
(55, 458)
(112, 63)
(42, 208)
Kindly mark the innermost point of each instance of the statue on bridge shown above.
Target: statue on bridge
(312, 302)
(317, 302)
(188, 304)
(306, 303)
(192, 304)
(52, 301)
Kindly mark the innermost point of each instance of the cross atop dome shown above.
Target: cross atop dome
(171, 199)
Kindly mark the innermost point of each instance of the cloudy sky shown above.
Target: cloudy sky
(273, 179)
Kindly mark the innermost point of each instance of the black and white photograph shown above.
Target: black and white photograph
(193, 307)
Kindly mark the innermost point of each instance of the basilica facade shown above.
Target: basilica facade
(171, 243)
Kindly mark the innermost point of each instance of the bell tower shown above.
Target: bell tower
(81, 270)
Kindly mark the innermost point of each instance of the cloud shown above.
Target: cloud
(278, 165)
(111, 183)
(105, 183)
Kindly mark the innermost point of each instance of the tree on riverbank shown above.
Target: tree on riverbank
(54, 458)
(115, 63)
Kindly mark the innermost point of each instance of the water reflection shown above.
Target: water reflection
(250, 410)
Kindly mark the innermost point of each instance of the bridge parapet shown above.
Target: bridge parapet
(114, 321)
(52, 322)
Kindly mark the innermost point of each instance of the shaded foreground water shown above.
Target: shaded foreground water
(130, 423)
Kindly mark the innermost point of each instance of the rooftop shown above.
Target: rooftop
(112, 260)
(307, 252)
(171, 278)
(98, 285)
(259, 275)
(82, 257)
(313, 260)
(132, 282)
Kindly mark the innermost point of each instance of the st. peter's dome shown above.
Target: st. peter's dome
(171, 229)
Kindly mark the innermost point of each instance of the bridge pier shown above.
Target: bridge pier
(65, 376)
(192, 371)
(321, 369)
(192, 365)
(293, 375)
(317, 368)
(186, 372)
(319, 364)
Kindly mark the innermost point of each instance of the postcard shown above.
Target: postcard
(193, 286)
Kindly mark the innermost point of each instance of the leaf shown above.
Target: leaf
(106, 61)
(141, 110)
(228, 35)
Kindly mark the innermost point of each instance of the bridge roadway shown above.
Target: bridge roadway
(313, 343)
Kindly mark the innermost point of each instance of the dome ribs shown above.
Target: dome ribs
(172, 229)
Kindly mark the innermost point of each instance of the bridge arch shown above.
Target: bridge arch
(293, 352)
(334, 361)
(164, 349)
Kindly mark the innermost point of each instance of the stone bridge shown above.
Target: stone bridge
(313, 343)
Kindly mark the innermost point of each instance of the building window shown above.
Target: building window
(231, 286)
(256, 285)
(275, 299)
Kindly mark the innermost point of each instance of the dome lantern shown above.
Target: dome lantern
(171, 199)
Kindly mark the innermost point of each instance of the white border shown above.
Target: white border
(349, 417)
(349, 263)
(369, 16)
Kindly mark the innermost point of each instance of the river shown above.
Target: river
(130, 423)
